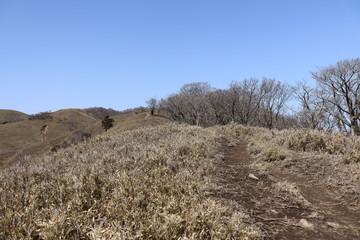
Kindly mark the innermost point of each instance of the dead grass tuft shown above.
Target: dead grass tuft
(291, 191)
(272, 155)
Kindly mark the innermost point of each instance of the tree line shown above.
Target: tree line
(334, 104)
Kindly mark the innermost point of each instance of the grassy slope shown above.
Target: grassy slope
(12, 116)
(23, 138)
(20, 135)
(147, 183)
(129, 121)
(147, 179)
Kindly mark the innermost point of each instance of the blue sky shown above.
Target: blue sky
(118, 54)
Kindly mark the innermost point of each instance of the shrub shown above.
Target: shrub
(72, 126)
(41, 116)
(99, 112)
(273, 155)
(72, 140)
(107, 123)
(351, 158)
(307, 141)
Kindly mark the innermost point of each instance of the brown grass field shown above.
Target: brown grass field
(155, 179)
(146, 183)
(11, 116)
(24, 138)
(20, 135)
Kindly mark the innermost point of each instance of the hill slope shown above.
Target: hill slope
(146, 178)
(11, 116)
(147, 183)
(21, 135)
(24, 138)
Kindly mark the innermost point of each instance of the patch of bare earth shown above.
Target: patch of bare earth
(312, 212)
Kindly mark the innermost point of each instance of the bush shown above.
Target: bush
(72, 126)
(99, 112)
(351, 158)
(107, 123)
(41, 116)
(307, 142)
(272, 155)
(73, 140)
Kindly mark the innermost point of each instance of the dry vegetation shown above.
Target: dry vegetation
(150, 183)
(272, 145)
(308, 181)
(24, 134)
(66, 127)
(329, 159)
(11, 116)
(162, 181)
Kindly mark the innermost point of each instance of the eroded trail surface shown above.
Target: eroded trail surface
(283, 204)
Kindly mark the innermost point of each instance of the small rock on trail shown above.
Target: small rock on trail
(252, 176)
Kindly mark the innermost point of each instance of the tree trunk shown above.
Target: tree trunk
(355, 130)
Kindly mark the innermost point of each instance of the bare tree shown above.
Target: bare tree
(246, 99)
(198, 109)
(311, 114)
(196, 88)
(218, 100)
(175, 108)
(152, 105)
(340, 87)
(274, 97)
(246, 102)
(191, 105)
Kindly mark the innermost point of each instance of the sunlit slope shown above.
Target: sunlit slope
(130, 121)
(145, 183)
(20, 135)
(24, 138)
(9, 116)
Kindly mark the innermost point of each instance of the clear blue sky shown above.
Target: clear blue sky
(118, 54)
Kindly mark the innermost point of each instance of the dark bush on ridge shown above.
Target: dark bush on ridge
(41, 116)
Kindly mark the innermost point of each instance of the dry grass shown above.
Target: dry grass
(9, 116)
(141, 184)
(272, 145)
(65, 126)
(292, 191)
(24, 134)
(331, 159)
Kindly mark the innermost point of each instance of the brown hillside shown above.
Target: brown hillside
(147, 183)
(20, 135)
(10, 116)
(176, 181)
(23, 138)
(129, 121)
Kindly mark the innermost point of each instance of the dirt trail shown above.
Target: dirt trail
(317, 213)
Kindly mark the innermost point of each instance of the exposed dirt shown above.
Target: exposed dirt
(319, 213)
